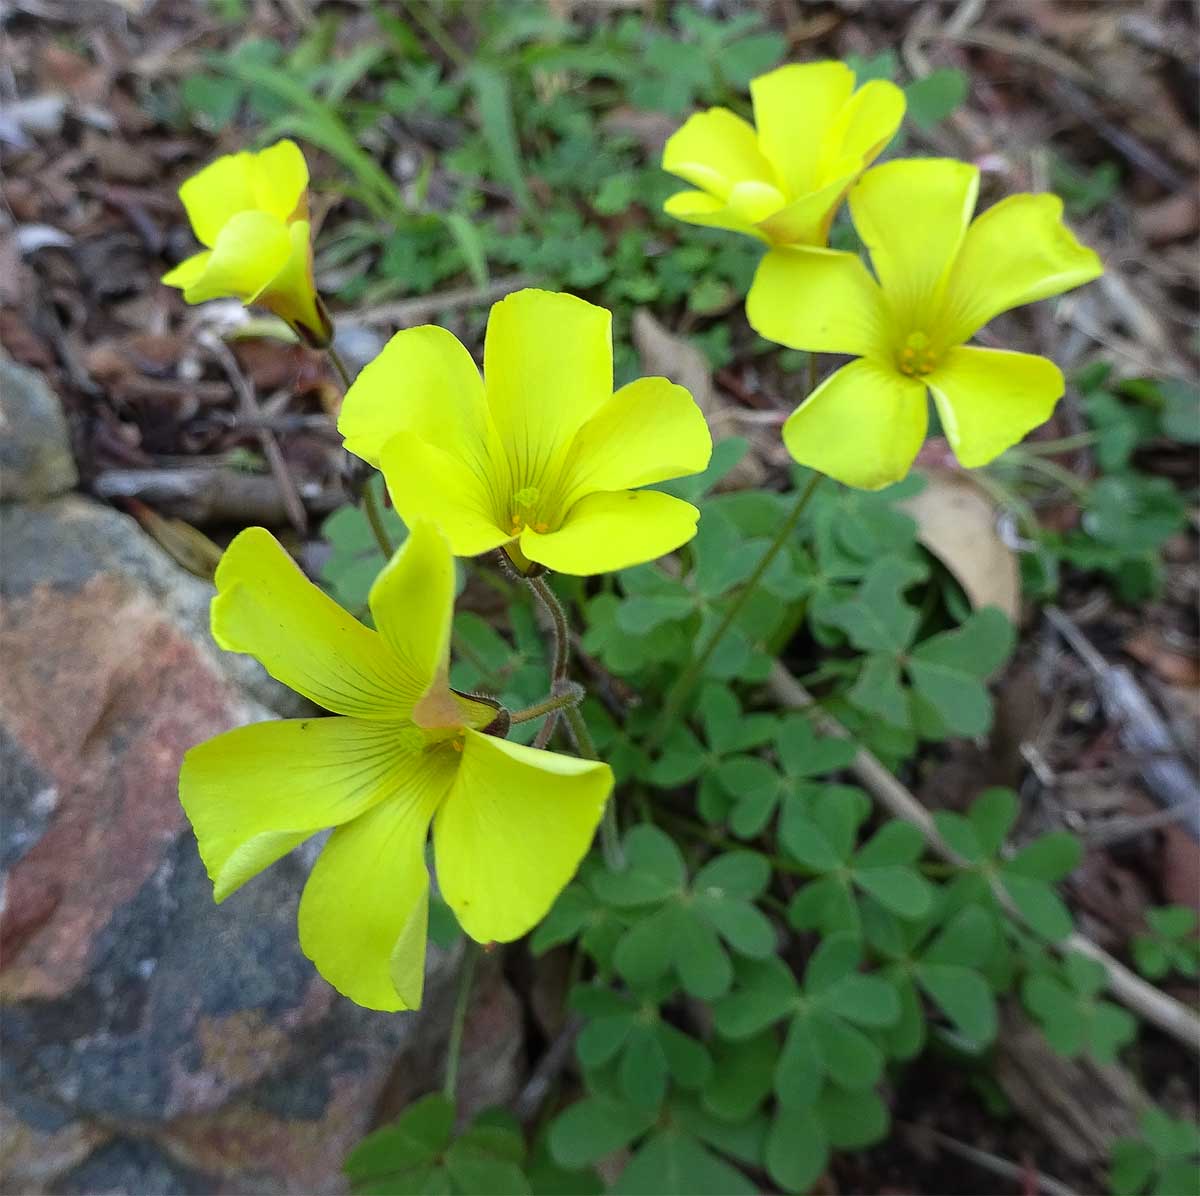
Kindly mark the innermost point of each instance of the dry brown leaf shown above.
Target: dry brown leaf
(956, 521)
(663, 353)
(1173, 666)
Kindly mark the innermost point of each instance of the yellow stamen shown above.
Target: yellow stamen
(917, 357)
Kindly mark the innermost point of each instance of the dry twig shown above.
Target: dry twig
(1154, 1006)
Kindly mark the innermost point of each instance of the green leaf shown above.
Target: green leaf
(804, 753)
(415, 1139)
(741, 874)
(964, 996)
(898, 889)
(645, 952)
(1132, 1167)
(827, 905)
(936, 96)
(836, 956)
(878, 619)
(878, 691)
(682, 759)
(1048, 858)
(1056, 1008)
(797, 1148)
(960, 835)
(741, 1077)
(700, 960)
(687, 1059)
(947, 669)
(654, 870)
(1172, 921)
(800, 1071)
(486, 1160)
(602, 1037)
(496, 122)
(766, 992)
(1038, 904)
(895, 842)
(992, 815)
(643, 613)
(867, 1000)
(672, 1163)
(966, 939)
(852, 1119)
(1109, 1029)
(592, 1129)
(851, 1059)
(744, 927)
(643, 1071)
(806, 842)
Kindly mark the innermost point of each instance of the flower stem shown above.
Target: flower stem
(466, 975)
(610, 835)
(370, 504)
(687, 679)
(562, 636)
(555, 702)
(338, 364)
(371, 509)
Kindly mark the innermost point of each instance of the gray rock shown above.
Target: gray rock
(154, 1041)
(36, 462)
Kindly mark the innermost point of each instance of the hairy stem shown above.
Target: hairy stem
(558, 616)
(571, 696)
(610, 834)
(686, 682)
(454, 1050)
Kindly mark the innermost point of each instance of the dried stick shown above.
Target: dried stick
(248, 407)
(1156, 1007)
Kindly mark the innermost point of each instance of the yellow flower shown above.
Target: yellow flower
(782, 183)
(544, 459)
(941, 277)
(250, 211)
(510, 823)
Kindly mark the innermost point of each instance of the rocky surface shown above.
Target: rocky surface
(35, 452)
(154, 1042)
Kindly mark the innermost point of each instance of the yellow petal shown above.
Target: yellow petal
(1016, 252)
(912, 214)
(820, 300)
(865, 125)
(547, 367)
(862, 426)
(251, 249)
(806, 221)
(989, 398)
(649, 431)
(267, 608)
(279, 176)
(364, 911)
(254, 793)
(714, 150)
(698, 207)
(292, 293)
(188, 271)
(512, 832)
(425, 382)
(612, 530)
(215, 194)
(794, 107)
(412, 603)
(427, 482)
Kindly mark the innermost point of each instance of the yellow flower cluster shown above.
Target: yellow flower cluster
(541, 458)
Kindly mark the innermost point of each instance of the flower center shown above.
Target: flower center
(916, 358)
(524, 511)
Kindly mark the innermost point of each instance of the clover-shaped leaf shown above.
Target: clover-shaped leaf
(826, 1011)
(1071, 1014)
(1171, 944)
(680, 928)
